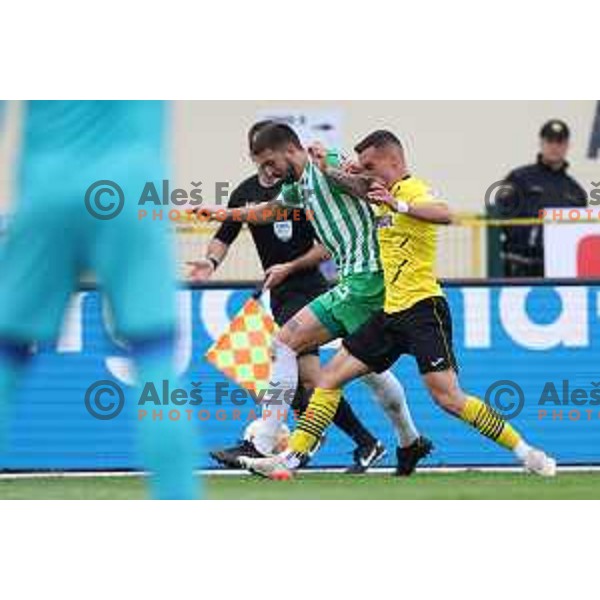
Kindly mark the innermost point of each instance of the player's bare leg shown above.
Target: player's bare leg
(342, 369)
(446, 392)
(369, 450)
(318, 416)
(256, 443)
(309, 366)
(302, 332)
(444, 389)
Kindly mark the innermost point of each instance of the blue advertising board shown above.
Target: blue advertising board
(533, 351)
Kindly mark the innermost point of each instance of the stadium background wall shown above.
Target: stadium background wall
(530, 335)
(461, 147)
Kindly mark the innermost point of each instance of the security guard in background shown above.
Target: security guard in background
(544, 184)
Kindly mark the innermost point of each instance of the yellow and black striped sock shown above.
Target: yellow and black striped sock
(316, 418)
(489, 423)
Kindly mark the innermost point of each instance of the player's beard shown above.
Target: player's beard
(290, 176)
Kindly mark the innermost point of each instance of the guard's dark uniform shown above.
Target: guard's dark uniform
(531, 189)
(277, 243)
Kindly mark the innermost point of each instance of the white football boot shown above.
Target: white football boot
(538, 462)
(271, 467)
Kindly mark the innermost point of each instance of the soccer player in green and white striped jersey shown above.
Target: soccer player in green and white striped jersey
(346, 226)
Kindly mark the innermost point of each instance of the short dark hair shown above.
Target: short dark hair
(378, 139)
(256, 128)
(273, 136)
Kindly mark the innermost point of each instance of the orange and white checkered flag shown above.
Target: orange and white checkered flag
(243, 352)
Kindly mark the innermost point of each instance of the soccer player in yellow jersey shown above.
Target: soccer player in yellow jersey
(416, 317)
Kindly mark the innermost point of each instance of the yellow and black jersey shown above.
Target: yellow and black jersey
(408, 248)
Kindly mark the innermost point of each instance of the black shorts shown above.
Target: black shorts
(424, 331)
(284, 305)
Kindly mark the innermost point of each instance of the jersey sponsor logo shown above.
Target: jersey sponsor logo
(284, 230)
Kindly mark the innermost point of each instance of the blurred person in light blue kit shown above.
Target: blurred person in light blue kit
(67, 146)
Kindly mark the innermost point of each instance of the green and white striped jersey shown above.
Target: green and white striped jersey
(345, 224)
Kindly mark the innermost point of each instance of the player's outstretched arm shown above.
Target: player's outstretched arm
(204, 268)
(430, 211)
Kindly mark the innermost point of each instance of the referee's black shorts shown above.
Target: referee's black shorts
(424, 331)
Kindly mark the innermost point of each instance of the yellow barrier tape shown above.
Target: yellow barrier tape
(469, 220)
(459, 220)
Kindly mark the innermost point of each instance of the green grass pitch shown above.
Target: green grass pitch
(325, 486)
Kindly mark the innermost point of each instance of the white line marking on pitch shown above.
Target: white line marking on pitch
(233, 472)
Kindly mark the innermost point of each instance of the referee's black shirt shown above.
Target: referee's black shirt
(278, 242)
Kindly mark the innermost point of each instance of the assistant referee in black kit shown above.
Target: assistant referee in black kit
(290, 256)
